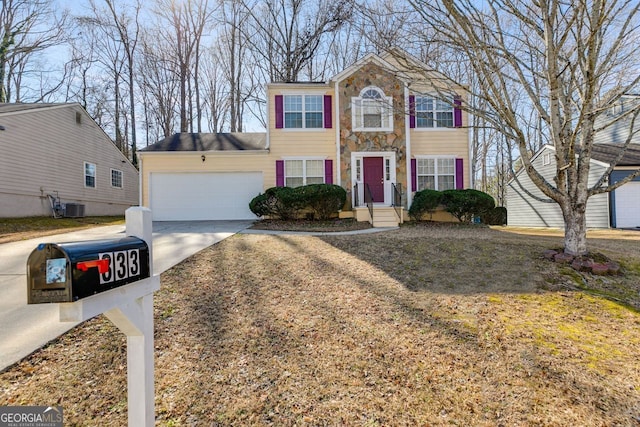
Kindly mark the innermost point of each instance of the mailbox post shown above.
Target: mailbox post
(113, 277)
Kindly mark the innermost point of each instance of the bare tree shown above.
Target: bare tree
(128, 30)
(571, 61)
(27, 28)
(286, 34)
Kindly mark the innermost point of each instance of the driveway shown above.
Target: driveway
(25, 328)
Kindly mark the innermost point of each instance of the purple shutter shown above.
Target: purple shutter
(412, 111)
(459, 174)
(328, 171)
(457, 112)
(414, 175)
(328, 117)
(279, 112)
(279, 173)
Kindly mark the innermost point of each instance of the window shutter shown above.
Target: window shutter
(412, 111)
(279, 173)
(328, 117)
(414, 175)
(328, 171)
(457, 112)
(279, 112)
(459, 174)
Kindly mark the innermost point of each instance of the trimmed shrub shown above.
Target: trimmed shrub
(324, 200)
(277, 202)
(425, 201)
(464, 204)
(496, 216)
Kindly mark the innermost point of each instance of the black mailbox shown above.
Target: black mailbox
(66, 272)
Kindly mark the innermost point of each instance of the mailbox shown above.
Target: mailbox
(66, 272)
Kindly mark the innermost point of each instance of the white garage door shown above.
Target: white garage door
(628, 205)
(203, 196)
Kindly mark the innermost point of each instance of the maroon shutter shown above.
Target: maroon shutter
(459, 174)
(414, 175)
(279, 173)
(328, 117)
(457, 112)
(279, 112)
(412, 111)
(328, 171)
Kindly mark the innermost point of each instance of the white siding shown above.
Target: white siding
(524, 211)
(44, 150)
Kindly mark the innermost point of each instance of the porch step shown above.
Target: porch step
(385, 217)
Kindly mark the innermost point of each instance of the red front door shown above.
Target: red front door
(374, 176)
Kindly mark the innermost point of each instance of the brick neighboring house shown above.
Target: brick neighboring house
(371, 126)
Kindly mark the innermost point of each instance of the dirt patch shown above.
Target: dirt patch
(419, 326)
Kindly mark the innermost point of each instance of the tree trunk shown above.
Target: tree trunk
(575, 232)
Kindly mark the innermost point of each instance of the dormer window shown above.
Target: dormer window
(372, 111)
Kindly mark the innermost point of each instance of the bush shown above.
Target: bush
(425, 201)
(496, 216)
(286, 203)
(278, 202)
(465, 204)
(324, 200)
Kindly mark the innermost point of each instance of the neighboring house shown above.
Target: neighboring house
(371, 126)
(59, 150)
(620, 208)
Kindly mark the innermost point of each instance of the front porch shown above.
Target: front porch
(380, 216)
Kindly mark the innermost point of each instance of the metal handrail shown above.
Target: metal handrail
(356, 202)
(397, 199)
(368, 199)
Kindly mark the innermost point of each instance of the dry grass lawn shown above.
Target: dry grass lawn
(15, 229)
(425, 326)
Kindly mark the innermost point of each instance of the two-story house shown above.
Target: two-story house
(377, 130)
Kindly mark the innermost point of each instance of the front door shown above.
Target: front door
(373, 168)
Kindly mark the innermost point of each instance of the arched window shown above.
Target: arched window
(372, 111)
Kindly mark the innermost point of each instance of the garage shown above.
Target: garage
(627, 205)
(203, 196)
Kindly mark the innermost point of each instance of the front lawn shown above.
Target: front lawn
(426, 325)
(15, 229)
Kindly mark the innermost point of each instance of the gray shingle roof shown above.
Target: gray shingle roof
(235, 141)
(607, 153)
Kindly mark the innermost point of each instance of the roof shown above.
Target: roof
(235, 141)
(607, 153)
(17, 107)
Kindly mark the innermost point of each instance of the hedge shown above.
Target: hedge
(322, 201)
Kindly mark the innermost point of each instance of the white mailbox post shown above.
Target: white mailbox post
(130, 308)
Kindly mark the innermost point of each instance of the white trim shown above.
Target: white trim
(111, 170)
(435, 166)
(386, 106)
(304, 157)
(336, 121)
(386, 155)
(303, 111)
(95, 174)
(304, 175)
(407, 126)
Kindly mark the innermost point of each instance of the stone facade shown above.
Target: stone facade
(350, 141)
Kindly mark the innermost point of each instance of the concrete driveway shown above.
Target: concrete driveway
(25, 328)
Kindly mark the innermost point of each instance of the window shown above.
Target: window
(546, 159)
(436, 174)
(303, 111)
(433, 113)
(303, 172)
(116, 178)
(89, 175)
(372, 111)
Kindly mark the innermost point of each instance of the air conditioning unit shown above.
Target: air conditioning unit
(74, 210)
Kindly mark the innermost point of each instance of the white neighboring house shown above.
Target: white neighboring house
(58, 149)
(619, 209)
